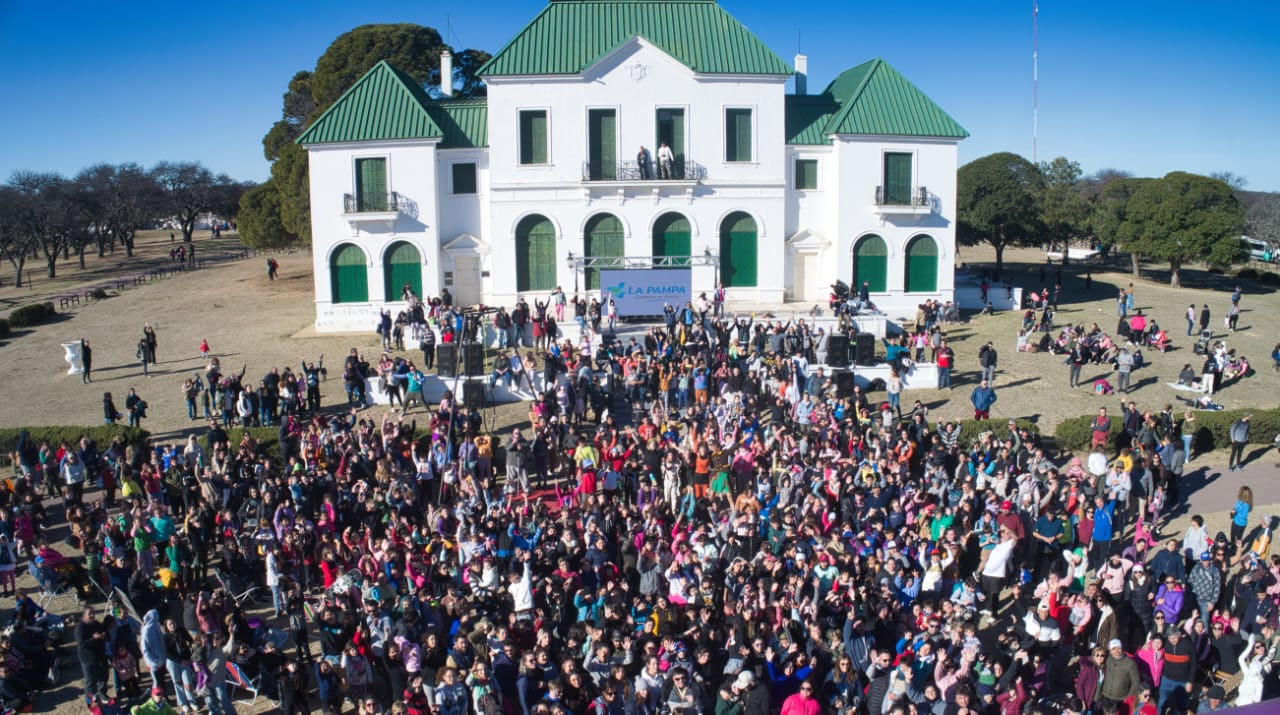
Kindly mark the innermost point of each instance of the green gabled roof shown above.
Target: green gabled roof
(465, 122)
(383, 104)
(876, 99)
(807, 115)
(570, 35)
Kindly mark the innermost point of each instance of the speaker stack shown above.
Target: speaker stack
(473, 394)
(447, 360)
(837, 350)
(473, 360)
(864, 349)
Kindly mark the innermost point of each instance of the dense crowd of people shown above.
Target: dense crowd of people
(741, 537)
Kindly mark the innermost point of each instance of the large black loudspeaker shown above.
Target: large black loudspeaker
(473, 394)
(837, 350)
(473, 360)
(447, 360)
(844, 384)
(864, 349)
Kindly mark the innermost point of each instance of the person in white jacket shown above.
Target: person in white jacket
(521, 588)
(1254, 665)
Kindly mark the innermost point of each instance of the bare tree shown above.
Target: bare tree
(15, 241)
(189, 190)
(51, 212)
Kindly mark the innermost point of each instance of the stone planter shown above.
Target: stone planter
(73, 357)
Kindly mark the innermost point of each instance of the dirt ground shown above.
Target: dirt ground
(250, 321)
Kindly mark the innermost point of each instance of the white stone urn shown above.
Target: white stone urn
(73, 357)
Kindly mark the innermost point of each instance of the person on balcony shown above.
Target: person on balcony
(642, 163)
(666, 159)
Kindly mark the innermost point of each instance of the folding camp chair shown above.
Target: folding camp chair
(236, 678)
(52, 585)
(226, 581)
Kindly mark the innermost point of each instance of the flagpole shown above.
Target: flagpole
(1035, 81)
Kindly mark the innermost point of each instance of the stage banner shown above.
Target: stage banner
(645, 292)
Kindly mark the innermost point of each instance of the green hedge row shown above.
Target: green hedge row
(31, 315)
(4, 327)
(1076, 433)
(102, 434)
(1259, 276)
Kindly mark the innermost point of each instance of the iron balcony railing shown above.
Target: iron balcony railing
(678, 170)
(370, 203)
(902, 196)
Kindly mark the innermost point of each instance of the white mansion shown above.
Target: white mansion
(659, 131)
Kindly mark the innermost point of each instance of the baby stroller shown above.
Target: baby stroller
(1203, 342)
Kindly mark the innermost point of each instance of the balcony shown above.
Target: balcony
(901, 202)
(371, 208)
(684, 170)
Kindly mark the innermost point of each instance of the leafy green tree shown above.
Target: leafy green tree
(259, 218)
(997, 203)
(1110, 214)
(1185, 217)
(1063, 206)
(413, 49)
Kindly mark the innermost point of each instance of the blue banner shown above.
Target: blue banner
(645, 292)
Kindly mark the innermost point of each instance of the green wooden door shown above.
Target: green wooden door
(349, 273)
(871, 264)
(672, 237)
(535, 254)
(603, 240)
(737, 135)
(922, 265)
(403, 265)
(671, 132)
(738, 251)
(371, 184)
(603, 143)
(897, 179)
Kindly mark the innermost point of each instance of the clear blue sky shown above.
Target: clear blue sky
(1145, 87)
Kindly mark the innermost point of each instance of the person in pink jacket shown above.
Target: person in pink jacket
(803, 702)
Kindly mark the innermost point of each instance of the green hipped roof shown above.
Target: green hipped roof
(383, 104)
(807, 116)
(876, 99)
(570, 35)
(388, 104)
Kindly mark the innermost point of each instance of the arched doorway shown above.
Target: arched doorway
(535, 254)
(401, 266)
(672, 237)
(870, 264)
(738, 250)
(602, 239)
(349, 274)
(922, 265)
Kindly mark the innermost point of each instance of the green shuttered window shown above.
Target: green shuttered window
(672, 237)
(533, 136)
(603, 239)
(737, 134)
(922, 265)
(871, 264)
(402, 266)
(535, 254)
(349, 273)
(806, 174)
(371, 184)
(738, 251)
(897, 179)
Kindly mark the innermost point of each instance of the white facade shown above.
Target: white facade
(805, 237)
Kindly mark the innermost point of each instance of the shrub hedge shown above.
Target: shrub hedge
(1264, 277)
(102, 434)
(4, 327)
(1076, 433)
(31, 315)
